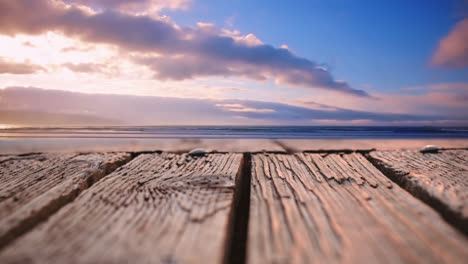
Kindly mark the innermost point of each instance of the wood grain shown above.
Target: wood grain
(158, 208)
(440, 179)
(32, 187)
(338, 208)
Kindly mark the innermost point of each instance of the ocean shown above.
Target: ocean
(240, 132)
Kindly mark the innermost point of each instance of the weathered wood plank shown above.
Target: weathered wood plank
(34, 186)
(309, 208)
(440, 179)
(158, 208)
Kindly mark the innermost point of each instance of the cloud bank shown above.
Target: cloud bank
(111, 109)
(171, 51)
(452, 51)
(449, 100)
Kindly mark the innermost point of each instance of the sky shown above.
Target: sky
(206, 62)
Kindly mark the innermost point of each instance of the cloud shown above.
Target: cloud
(248, 40)
(165, 44)
(440, 99)
(28, 44)
(452, 51)
(11, 67)
(134, 6)
(76, 49)
(286, 112)
(91, 68)
(456, 88)
(34, 118)
(243, 109)
(133, 110)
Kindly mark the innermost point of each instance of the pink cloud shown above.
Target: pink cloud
(452, 51)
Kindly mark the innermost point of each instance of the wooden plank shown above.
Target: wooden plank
(312, 208)
(440, 179)
(32, 187)
(158, 208)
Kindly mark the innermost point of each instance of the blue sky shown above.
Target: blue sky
(367, 60)
(384, 44)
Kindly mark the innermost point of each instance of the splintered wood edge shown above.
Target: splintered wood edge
(404, 180)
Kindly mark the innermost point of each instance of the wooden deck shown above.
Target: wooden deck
(263, 207)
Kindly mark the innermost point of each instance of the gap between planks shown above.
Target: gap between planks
(236, 239)
(422, 193)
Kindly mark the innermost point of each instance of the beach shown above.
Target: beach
(30, 145)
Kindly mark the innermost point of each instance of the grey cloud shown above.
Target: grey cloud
(198, 52)
(285, 112)
(145, 110)
(91, 68)
(188, 67)
(83, 67)
(8, 67)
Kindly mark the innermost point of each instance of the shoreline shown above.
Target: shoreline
(49, 145)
